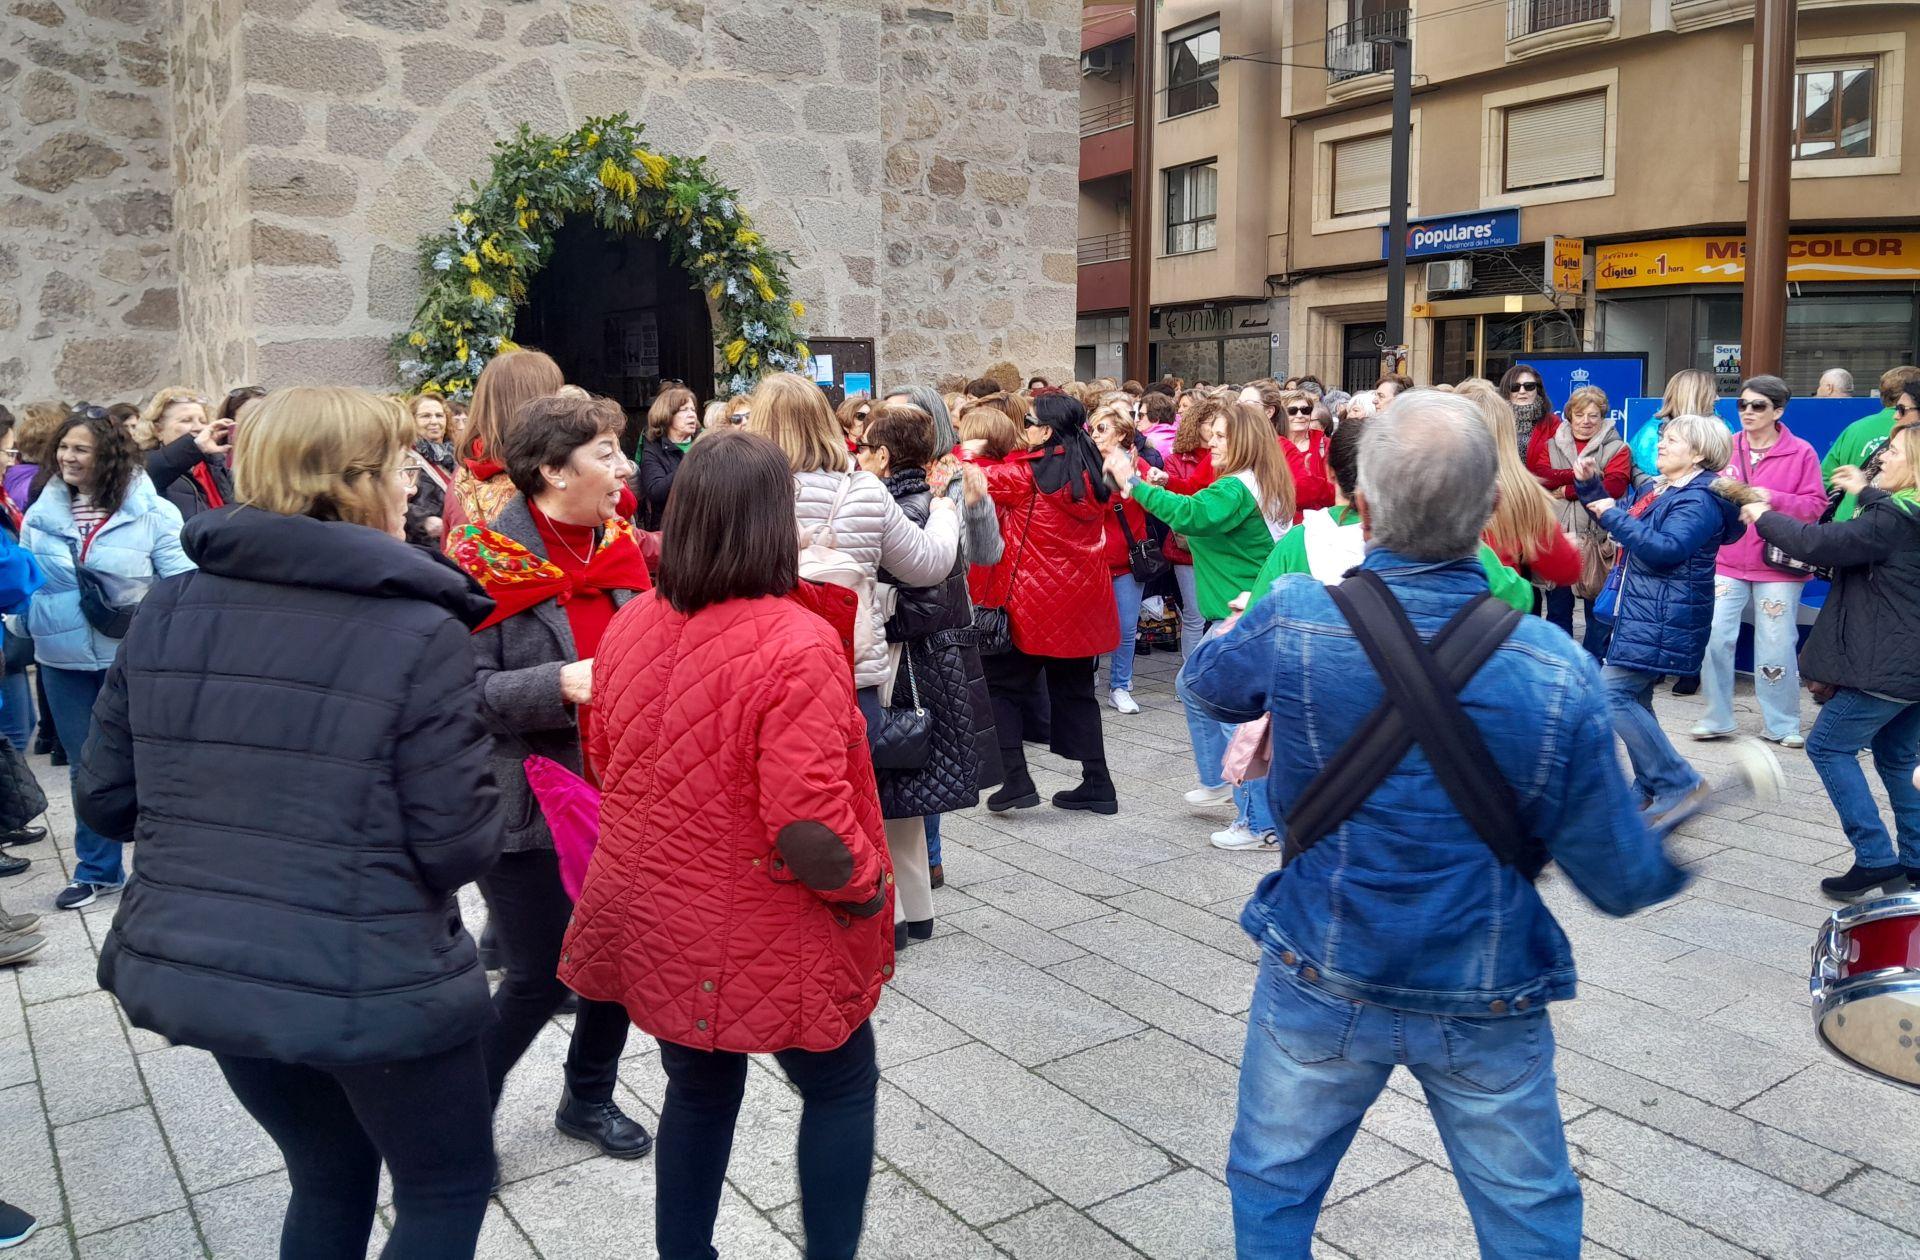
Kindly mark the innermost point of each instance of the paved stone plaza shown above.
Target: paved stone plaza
(1060, 1068)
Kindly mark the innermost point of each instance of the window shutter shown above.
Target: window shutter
(1362, 174)
(1557, 142)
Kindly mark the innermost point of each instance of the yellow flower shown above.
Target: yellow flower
(464, 218)
(799, 310)
(520, 201)
(527, 218)
(736, 348)
(766, 291)
(417, 340)
(481, 290)
(593, 138)
(746, 238)
(753, 360)
(460, 350)
(491, 251)
(800, 348)
(719, 287)
(656, 167)
(507, 344)
(472, 262)
(754, 273)
(618, 180)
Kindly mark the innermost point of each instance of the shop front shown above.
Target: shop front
(1231, 342)
(1853, 302)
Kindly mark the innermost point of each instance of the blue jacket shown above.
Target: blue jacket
(1665, 611)
(142, 539)
(1404, 905)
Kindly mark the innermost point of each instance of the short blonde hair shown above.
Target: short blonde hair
(146, 429)
(1587, 396)
(322, 451)
(793, 412)
(1711, 443)
(1907, 438)
(715, 414)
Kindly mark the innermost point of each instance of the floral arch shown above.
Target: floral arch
(477, 271)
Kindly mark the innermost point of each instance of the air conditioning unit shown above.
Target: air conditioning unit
(1103, 62)
(1451, 275)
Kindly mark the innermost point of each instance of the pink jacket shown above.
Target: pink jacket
(1161, 436)
(1790, 472)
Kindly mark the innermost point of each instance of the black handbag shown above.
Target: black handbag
(993, 625)
(17, 653)
(21, 798)
(905, 738)
(1143, 554)
(1774, 558)
(107, 600)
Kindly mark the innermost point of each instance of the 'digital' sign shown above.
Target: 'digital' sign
(1458, 233)
(1722, 259)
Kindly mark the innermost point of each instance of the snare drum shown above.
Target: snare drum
(1866, 986)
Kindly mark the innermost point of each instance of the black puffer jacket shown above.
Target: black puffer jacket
(292, 735)
(1867, 635)
(170, 469)
(659, 464)
(935, 625)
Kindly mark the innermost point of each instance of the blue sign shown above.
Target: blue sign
(1457, 233)
(857, 383)
(1619, 376)
(1816, 421)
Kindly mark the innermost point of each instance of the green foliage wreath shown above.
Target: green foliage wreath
(477, 272)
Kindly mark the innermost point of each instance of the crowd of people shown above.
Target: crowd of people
(687, 694)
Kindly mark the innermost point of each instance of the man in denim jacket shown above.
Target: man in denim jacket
(1400, 938)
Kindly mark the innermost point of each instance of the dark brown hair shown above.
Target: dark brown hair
(906, 432)
(1343, 455)
(983, 387)
(546, 431)
(728, 529)
(116, 460)
(1160, 407)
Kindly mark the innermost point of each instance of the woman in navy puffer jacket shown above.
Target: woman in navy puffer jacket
(1664, 612)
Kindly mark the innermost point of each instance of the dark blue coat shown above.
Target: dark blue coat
(1666, 594)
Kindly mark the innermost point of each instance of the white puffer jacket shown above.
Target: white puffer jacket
(871, 528)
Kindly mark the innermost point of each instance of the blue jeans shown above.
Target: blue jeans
(933, 839)
(16, 711)
(70, 696)
(1313, 1065)
(1209, 737)
(1126, 597)
(1252, 809)
(1193, 626)
(1853, 720)
(1776, 642)
(1659, 773)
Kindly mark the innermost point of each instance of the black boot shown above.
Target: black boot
(604, 1125)
(920, 929)
(23, 835)
(899, 936)
(1017, 790)
(1095, 793)
(490, 956)
(1865, 881)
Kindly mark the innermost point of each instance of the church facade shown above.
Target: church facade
(221, 192)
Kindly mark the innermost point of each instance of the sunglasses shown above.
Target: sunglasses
(1031, 423)
(1898, 410)
(1299, 411)
(1526, 387)
(738, 417)
(91, 412)
(1747, 404)
(860, 414)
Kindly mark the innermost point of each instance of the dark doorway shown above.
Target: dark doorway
(619, 318)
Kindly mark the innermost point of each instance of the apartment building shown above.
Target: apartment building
(1614, 129)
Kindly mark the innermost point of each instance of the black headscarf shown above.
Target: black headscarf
(1070, 459)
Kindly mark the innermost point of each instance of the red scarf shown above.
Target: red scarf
(517, 579)
(204, 475)
(482, 468)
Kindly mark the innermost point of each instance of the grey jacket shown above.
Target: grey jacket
(872, 529)
(519, 674)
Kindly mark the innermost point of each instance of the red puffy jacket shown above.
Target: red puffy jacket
(1119, 563)
(727, 740)
(1052, 576)
(1186, 474)
(1312, 481)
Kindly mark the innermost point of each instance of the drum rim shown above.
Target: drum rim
(1890, 980)
(1872, 911)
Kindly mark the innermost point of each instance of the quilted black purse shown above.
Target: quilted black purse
(21, 799)
(1143, 554)
(905, 738)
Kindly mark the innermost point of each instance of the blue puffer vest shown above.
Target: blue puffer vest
(1666, 595)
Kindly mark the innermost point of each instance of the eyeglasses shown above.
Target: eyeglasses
(1526, 387)
(865, 446)
(1299, 411)
(1748, 404)
(409, 473)
(858, 415)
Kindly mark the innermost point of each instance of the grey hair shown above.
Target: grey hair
(929, 401)
(1840, 377)
(1427, 469)
(1712, 444)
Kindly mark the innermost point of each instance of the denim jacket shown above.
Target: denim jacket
(1404, 905)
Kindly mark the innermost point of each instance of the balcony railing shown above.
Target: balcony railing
(1106, 117)
(1109, 247)
(1353, 48)
(1530, 17)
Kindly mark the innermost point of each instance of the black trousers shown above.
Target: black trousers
(428, 1119)
(1014, 679)
(704, 1087)
(525, 897)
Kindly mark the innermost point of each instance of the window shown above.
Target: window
(1193, 70)
(1193, 200)
(1560, 141)
(1833, 110)
(1362, 174)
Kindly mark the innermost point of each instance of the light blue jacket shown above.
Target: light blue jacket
(1403, 905)
(142, 539)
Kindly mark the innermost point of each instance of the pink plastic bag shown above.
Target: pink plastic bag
(571, 807)
(1250, 752)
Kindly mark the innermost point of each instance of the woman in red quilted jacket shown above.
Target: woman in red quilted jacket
(1189, 471)
(740, 899)
(1053, 581)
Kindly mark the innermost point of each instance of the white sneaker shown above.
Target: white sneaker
(1210, 795)
(1123, 700)
(1240, 836)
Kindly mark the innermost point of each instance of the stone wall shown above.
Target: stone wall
(88, 303)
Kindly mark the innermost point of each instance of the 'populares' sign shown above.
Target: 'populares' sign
(1458, 233)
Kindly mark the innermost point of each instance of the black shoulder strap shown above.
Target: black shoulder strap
(1421, 705)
